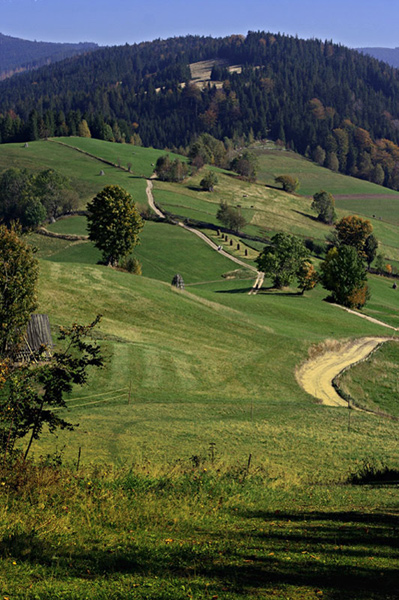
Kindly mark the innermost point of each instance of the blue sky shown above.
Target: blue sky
(108, 22)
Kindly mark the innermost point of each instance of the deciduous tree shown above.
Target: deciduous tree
(343, 273)
(323, 203)
(288, 183)
(353, 231)
(18, 279)
(114, 223)
(283, 260)
(209, 181)
(370, 249)
(307, 276)
(245, 165)
(230, 217)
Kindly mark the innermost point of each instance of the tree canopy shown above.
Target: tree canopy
(323, 203)
(18, 280)
(343, 273)
(171, 170)
(288, 183)
(29, 198)
(283, 260)
(209, 181)
(246, 165)
(114, 223)
(230, 217)
(370, 249)
(353, 231)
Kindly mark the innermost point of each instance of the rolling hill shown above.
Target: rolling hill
(325, 101)
(17, 55)
(200, 468)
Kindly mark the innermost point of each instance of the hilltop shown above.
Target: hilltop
(327, 102)
(388, 55)
(18, 55)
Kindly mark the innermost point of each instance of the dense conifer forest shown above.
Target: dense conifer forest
(323, 100)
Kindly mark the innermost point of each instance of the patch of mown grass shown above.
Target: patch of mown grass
(311, 176)
(374, 384)
(83, 171)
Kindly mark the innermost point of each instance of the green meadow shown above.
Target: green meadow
(199, 467)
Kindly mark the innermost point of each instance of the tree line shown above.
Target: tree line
(325, 101)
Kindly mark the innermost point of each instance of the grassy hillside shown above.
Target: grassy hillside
(266, 208)
(205, 470)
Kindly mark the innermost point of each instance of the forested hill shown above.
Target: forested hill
(17, 55)
(324, 100)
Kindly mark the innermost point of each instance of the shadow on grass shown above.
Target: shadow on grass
(263, 291)
(301, 555)
(303, 214)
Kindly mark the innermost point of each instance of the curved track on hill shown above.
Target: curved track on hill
(316, 375)
(259, 275)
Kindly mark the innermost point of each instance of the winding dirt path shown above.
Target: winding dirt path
(316, 375)
(259, 275)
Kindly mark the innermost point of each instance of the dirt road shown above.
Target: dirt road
(259, 275)
(316, 375)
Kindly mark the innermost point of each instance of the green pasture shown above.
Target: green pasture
(312, 177)
(163, 251)
(382, 207)
(82, 170)
(373, 383)
(384, 301)
(266, 211)
(199, 364)
(205, 471)
(142, 160)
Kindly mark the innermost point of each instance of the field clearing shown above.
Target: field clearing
(373, 384)
(313, 177)
(83, 171)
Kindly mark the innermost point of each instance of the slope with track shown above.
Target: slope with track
(259, 275)
(316, 375)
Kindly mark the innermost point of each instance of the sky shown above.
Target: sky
(354, 23)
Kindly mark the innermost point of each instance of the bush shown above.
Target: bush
(132, 265)
(288, 183)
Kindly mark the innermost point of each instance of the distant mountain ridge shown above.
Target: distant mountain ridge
(18, 55)
(388, 55)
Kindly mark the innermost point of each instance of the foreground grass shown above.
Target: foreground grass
(196, 530)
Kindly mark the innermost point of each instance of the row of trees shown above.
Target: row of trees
(30, 198)
(343, 272)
